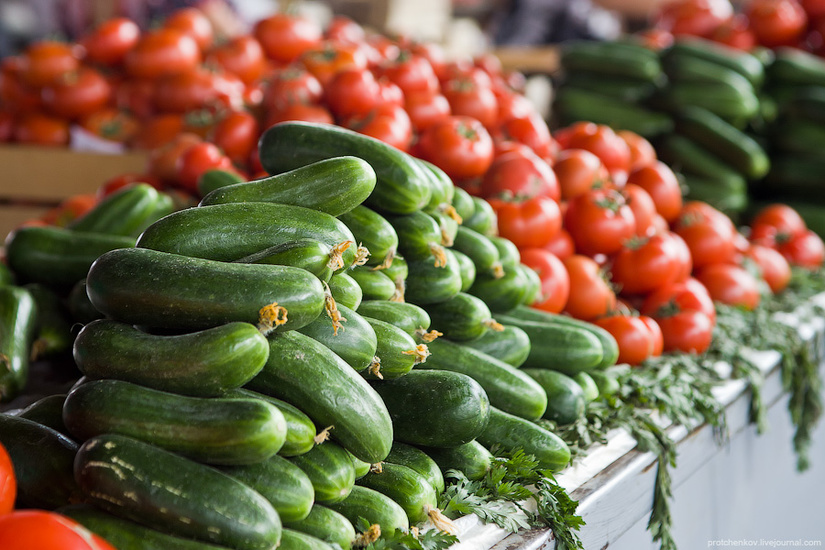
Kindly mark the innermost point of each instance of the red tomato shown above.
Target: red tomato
(513, 105)
(776, 22)
(30, 529)
(158, 131)
(136, 96)
(688, 331)
(642, 152)
(15, 94)
(47, 62)
(685, 260)
(804, 250)
(8, 482)
(109, 43)
(292, 85)
(163, 160)
(469, 99)
(529, 223)
(578, 171)
(775, 223)
(389, 93)
(689, 294)
(236, 134)
(190, 90)
(70, 209)
(299, 111)
(632, 335)
(193, 22)
(555, 282)
(352, 92)
(117, 183)
(709, 234)
(196, 160)
(389, 123)
(41, 129)
(736, 33)
(425, 108)
(112, 124)
(531, 130)
(655, 333)
(730, 284)
(412, 73)
(458, 145)
(603, 142)
(520, 175)
(661, 184)
(342, 29)
(6, 126)
(285, 37)
(693, 17)
(162, 52)
(331, 58)
(814, 8)
(645, 264)
(561, 245)
(600, 221)
(644, 209)
(242, 56)
(77, 94)
(655, 39)
(772, 266)
(590, 293)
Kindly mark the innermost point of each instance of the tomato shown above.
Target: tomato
(561, 245)
(193, 22)
(77, 94)
(814, 8)
(736, 33)
(425, 108)
(693, 17)
(730, 284)
(15, 94)
(8, 482)
(41, 129)
(603, 142)
(158, 131)
(528, 223)
(389, 123)
(513, 105)
(197, 159)
(776, 223)
(136, 96)
(352, 92)
(555, 282)
(685, 260)
(342, 29)
(196, 89)
(70, 209)
(776, 22)
(590, 293)
(655, 334)
(459, 145)
(531, 130)
(117, 183)
(432, 52)
(642, 152)
(163, 160)
(643, 207)
(600, 221)
(242, 56)
(804, 250)
(299, 111)
(6, 126)
(708, 233)
(389, 93)
(520, 175)
(331, 58)
(469, 99)
(47, 62)
(285, 37)
(112, 124)
(236, 134)
(655, 39)
(578, 171)
(689, 294)
(30, 529)
(292, 85)
(412, 73)
(687, 331)
(645, 264)
(382, 49)
(109, 43)
(772, 266)
(661, 184)
(162, 52)
(632, 335)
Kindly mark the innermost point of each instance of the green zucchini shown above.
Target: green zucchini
(47, 411)
(740, 61)
(170, 493)
(345, 290)
(316, 257)
(419, 236)
(397, 352)
(472, 459)
(417, 460)
(412, 491)
(335, 186)
(402, 185)
(503, 293)
(296, 540)
(326, 524)
(435, 408)
(305, 373)
(127, 211)
(18, 328)
(282, 483)
(467, 269)
(215, 178)
(509, 432)
(330, 470)
(483, 219)
(428, 284)
(375, 285)
(373, 231)
(204, 363)
(214, 431)
(374, 507)
(479, 248)
(54, 324)
(510, 344)
(565, 398)
(408, 317)
(461, 318)
(159, 289)
(354, 340)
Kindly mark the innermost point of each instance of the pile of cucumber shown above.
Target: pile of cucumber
(289, 356)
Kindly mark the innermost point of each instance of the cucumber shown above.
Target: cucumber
(506, 387)
(361, 467)
(398, 270)
(345, 290)
(215, 178)
(509, 432)
(806, 103)
(796, 178)
(417, 460)
(793, 66)
(798, 137)
(442, 188)
(467, 269)
(53, 333)
(419, 236)
(296, 540)
(57, 257)
(330, 470)
(727, 101)
(588, 385)
(213, 431)
(610, 58)
(508, 253)
(408, 317)
(728, 199)
(375, 508)
(510, 344)
(461, 318)
(532, 291)
(138, 481)
(574, 105)
(159, 289)
(397, 351)
(18, 327)
(127, 211)
(690, 157)
(282, 483)
(680, 69)
(6, 276)
(42, 460)
(300, 431)
(355, 341)
(412, 491)
(483, 219)
(606, 383)
(501, 294)
(428, 284)
(565, 397)
(80, 306)
(447, 225)
(201, 364)
(632, 90)
(326, 524)
(479, 248)
(373, 231)
(335, 186)
(472, 459)
(316, 257)
(463, 204)
(228, 232)
(742, 62)
(402, 186)
(305, 373)
(47, 411)
(435, 408)
(375, 285)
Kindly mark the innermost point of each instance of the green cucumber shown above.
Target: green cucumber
(215, 178)
(228, 232)
(397, 270)
(300, 431)
(159, 289)
(506, 387)
(606, 382)
(806, 103)
(374, 507)
(305, 373)
(508, 253)
(417, 460)
(373, 231)
(565, 397)
(412, 491)
(6, 276)
(509, 433)
(127, 211)
(463, 204)
(795, 177)
(472, 459)
(42, 460)
(501, 294)
(798, 137)
(354, 341)
(722, 99)
(479, 248)
(204, 363)
(435, 408)
(54, 324)
(18, 328)
(408, 317)
(428, 284)
(467, 269)
(282, 483)
(326, 524)
(214, 431)
(47, 411)
(375, 285)
(335, 186)
(296, 540)
(794, 66)
(510, 344)
(729, 199)
(126, 534)
(610, 58)
(345, 290)
(574, 105)
(330, 470)
(460, 318)
(361, 467)
(683, 68)
(690, 157)
(740, 61)
(632, 90)
(483, 219)
(397, 352)
(316, 257)
(532, 291)
(170, 493)
(591, 390)
(80, 306)
(402, 185)
(55, 256)
(419, 235)
(442, 188)
(447, 225)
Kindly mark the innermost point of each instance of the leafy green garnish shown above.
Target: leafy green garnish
(432, 539)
